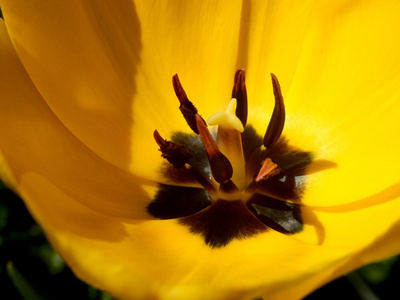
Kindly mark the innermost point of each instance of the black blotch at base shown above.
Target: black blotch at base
(199, 162)
(278, 215)
(224, 221)
(251, 141)
(173, 202)
(292, 163)
(195, 146)
(281, 187)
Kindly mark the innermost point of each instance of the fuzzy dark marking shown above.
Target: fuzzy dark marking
(266, 205)
(278, 215)
(292, 163)
(251, 141)
(176, 154)
(173, 202)
(220, 221)
(224, 221)
(194, 145)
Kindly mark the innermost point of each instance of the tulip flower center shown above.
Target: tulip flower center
(228, 182)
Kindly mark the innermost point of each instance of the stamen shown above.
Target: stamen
(228, 187)
(206, 183)
(248, 193)
(277, 121)
(268, 169)
(176, 154)
(221, 168)
(240, 94)
(187, 108)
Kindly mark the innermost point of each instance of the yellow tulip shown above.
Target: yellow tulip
(85, 84)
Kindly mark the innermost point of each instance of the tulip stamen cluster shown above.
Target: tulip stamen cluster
(228, 182)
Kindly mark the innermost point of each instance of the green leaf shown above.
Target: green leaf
(376, 273)
(21, 284)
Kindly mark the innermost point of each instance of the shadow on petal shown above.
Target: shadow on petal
(388, 194)
(53, 208)
(88, 73)
(320, 165)
(383, 247)
(310, 218)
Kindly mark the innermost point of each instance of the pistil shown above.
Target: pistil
(229, 141)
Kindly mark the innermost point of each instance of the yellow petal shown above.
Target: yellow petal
(355, 106)
(162, 259)
(83, 58)
(33, 140)
(181, 37)
(272, 37)
(109, 66)
(342, 103)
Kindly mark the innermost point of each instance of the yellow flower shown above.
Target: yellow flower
(85, 84)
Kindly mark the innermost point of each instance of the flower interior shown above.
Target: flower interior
(228, 182)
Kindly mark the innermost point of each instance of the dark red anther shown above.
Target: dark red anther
(187, 108)
(221, 168)
(240, 94)
(176, 154)
(277, 122)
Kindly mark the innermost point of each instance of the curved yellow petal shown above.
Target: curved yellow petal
(342, 103)
(33, 140)
(82, 57)
(162, 259)
(355, 101)
(107, 67)
(181, 37)
(273, 39)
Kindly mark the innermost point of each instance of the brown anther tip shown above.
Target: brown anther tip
(159, 140)
(276, 87)
(268, 169)
(174, 153)
(186, 107)
(221, 168)
(179, 91)
(240, 94)
(277, 122)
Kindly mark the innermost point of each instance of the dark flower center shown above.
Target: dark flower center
(231, 183)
